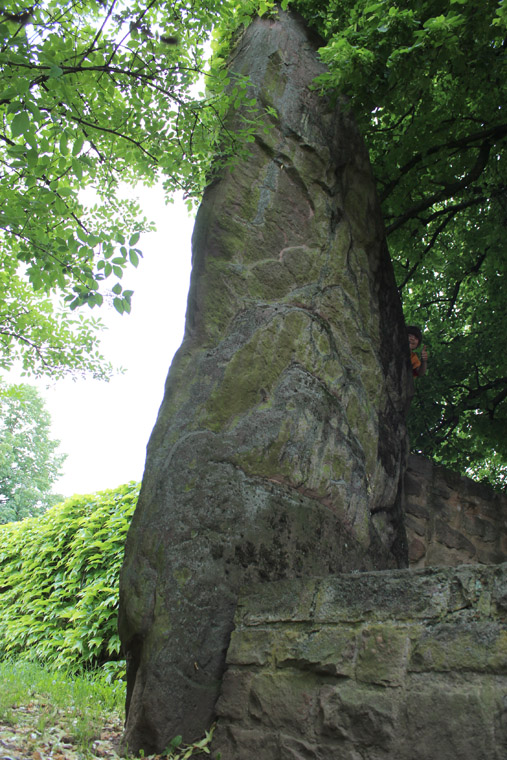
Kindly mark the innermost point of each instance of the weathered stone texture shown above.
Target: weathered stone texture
(280, 444)
(369, 666)
(451, 519)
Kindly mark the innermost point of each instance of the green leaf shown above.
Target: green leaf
(55, 72)
(119, 305)
(20, 124)
(31, 158)
(78, 145)
(64, 149)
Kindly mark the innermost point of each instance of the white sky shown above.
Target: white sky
(104, 427)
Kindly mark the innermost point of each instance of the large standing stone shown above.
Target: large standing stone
(279, 447)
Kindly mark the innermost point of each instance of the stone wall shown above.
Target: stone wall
(452, 520)
(387, 664)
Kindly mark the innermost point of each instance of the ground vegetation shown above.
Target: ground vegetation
(59, 576)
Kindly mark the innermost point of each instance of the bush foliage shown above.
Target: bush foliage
(59, 578)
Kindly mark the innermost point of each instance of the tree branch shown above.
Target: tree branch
(428, 248)
(458, 284)
(90, 48)
(449, 190)
(488, 135)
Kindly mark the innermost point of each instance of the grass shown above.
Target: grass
(80, 705)
(67, 716)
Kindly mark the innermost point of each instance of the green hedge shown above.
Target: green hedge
(59, 580)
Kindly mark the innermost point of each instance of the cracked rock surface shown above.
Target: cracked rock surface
(279, 447)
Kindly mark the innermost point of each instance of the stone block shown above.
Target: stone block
(440, 492)
(448, 479)
(415, 525)
(447, 721)
(477, 526)
(421, 465)
(470, 588)
(416, 509)
(280, 601)
(358, 717)
(438, 555)
(330, 649)
(232, 742)
(499, 589)
(367, 597)
(442, 507)
(284, 700)
(413, 484)
(416, 550)
(453, 538)
(493, 506)
(234, 695)
(252, 647)
(382, 655)
(462, 647)
(489, 554)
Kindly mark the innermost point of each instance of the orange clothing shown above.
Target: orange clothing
(416, 363)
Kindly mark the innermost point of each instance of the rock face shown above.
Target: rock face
(280, 443)
(400, 664)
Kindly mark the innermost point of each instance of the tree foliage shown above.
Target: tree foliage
(42, 338)
(59, 576)
(94, 94)
(427, 82)
(29, 464)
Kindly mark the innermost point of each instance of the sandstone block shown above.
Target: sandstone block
(358, 716)
(382, 655)
(234, 695)
(416, 550)
(253, 647)
(449, 722)
(283, 700)
(467, 646)
(381, 596)
(453, 538)
(326, 650)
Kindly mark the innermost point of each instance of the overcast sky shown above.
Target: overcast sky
(104, 427)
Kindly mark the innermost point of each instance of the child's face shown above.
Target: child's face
(413, 341)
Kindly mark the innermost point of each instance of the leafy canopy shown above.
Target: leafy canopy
(29, 464)
(41, 337)
(427, 82)
(92, 95)
(96, 93)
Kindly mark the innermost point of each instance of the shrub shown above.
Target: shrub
(59, 581)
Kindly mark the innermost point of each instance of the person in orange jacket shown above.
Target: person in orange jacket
(419, 365)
